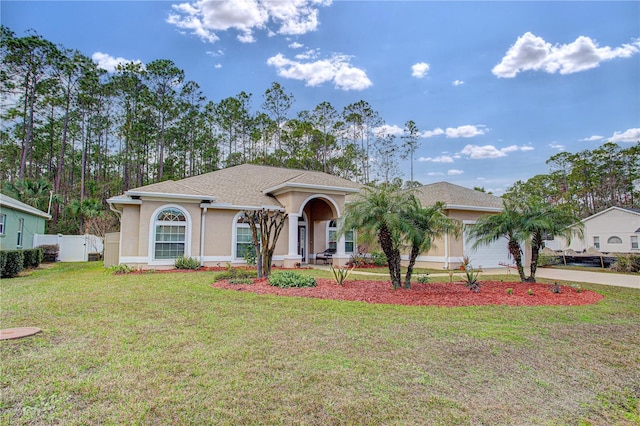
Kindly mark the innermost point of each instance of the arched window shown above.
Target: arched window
(170, 234)
(614, 240)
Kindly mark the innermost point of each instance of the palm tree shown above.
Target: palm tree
(545, 220)
(377, 213)
(510, 224)
(421, 226)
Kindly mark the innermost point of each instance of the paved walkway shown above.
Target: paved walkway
(604, 278)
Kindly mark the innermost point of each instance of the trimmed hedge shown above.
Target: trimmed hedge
(33, 257)
(12, 262)
(288, 279)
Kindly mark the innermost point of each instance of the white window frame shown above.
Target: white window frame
(20, 232)
(634, 242)
(3, 223)
(596, 242)
(614, 239)
(152, 231)
(234, 242)
(351, 240)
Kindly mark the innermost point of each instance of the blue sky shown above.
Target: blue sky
(495, 88)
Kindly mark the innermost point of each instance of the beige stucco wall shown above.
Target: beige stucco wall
(129, 225)
(137, 222)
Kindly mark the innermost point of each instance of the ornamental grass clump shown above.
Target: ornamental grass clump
(184, 262)
(288, 279)
(341, 274)
(471, 280)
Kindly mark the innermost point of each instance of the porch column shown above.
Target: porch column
(341, 257)
(292, 257)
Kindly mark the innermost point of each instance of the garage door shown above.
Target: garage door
(489, 256)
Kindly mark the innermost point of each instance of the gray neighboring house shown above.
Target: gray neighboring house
(19, 222)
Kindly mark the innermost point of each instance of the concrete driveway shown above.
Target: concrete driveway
(620, 280)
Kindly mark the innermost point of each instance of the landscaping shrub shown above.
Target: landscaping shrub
(184, 262)
(423, 278)
(378, 259)
(33, 257)
(12, 263)
(236, 273)
(356, 260)
(122, 269)
(547, 260)
(50, 252)
(340, 274)
(286, 279)
(626, 263)
(471, 280)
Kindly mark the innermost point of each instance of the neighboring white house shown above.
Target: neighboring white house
(616, 229)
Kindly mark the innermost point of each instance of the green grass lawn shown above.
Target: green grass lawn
(170, 349)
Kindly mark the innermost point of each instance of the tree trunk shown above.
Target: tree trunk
(393, 256)
(516, 253)
(415, 251)
(536, 245)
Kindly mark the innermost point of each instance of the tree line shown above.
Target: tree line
(585, 182)
(74, 135)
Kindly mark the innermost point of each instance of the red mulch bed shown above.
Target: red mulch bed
(434, 294)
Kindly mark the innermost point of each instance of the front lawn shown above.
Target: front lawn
(168, 348)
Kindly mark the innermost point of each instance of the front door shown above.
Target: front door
(302, 242)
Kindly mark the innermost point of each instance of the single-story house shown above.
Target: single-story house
(465, 205)
(614, 230)
(19, 222)
(202, 216)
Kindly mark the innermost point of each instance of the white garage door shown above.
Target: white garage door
(490, 256)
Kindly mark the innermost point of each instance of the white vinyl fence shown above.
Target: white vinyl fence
(73, 248)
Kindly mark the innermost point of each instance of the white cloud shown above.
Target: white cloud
(454, 172)
(592, 138)
(216, 53)
(458, 82)
(476, 152)
(557, 146)
(431, 133)
(296, 45)
(309, 54)
(109, 63)
(526, 148)
(435, 174)
(631, 135)
(419, 70)
(441, 159)
(467, 131)
(204, 18)
(217, 66)
(531, 52)
(336, 68)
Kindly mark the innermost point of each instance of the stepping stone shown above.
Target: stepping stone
(17, 333)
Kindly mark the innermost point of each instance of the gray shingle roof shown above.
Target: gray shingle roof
(455, 195)
(244, 185)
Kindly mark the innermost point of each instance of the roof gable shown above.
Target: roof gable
(630, 211)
